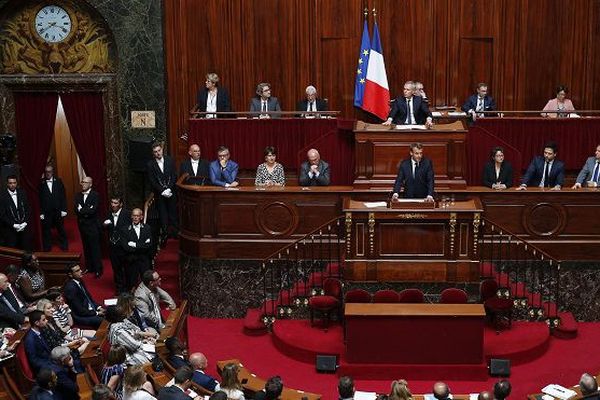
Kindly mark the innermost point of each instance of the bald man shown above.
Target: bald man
(195, 167)
(441, 391)
(136, 241)
(199, 363)
(314, 171)
(86, 209)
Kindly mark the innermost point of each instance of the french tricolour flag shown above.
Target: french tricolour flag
(376, 99)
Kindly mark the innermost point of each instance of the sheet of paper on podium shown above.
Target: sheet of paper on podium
(411, 127)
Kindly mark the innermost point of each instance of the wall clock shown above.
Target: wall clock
(53, 24)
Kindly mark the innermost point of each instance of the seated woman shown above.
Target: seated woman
(54, 336)
(213, 98)
(559, 104)
(231, 384)
(124, 332)
(270, 173)
(497, 173)
(135, 384)
(63, 318)
(400, 391)
(31, 280)
(127, 305)
(114, 369)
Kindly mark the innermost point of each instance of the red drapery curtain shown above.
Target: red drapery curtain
(84, 112)
(35, 115)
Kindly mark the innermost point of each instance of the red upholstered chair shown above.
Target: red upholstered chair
(357, 296)
(496, 308)
(453, 296)
(330, 301)
(386, 296)
(411, 296)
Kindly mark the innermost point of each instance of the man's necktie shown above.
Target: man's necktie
(264, 106)
(410, 121)
(311, 106)
(596, 170)
(546, 173)
(89, 300)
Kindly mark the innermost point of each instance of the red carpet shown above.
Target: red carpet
(562, 363)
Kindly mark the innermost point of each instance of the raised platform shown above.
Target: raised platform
(525, 342)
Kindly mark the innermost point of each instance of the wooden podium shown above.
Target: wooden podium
(379, 150)
(413, 244)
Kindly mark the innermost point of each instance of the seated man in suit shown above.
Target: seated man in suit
(420, 91)
(148, 297)
(84, 309)
(136, 241)
(415, 175)
(199, 363)
(36, 348)
(195, 167)
(479, 102)
(14, 215)
(176, 353)
(223, 171)
(66, 373)
(45, 386)
(546, 171)
(11, 313)
(314, 171)
(589, 387)
(264, 103)
(311, 103)
(272, 390)
(590, 173)
(183, 381)
(409, 109)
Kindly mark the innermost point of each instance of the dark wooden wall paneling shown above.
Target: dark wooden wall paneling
(523, 48)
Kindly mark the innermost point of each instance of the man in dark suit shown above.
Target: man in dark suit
(66, 372)
(176, 355)
(45, 386)
(11, 314)
(195, 167)
(311, 103)
(84, 309)
(546, 171)
(409, 109)
(199, 364)
(264, 103)
(502, 389)
(116, 221)
(86, 209)
(163, 177)
(441, 391)
(314, 171)
(36, 348)
(415, 175)
(14, 215)
(346, 388)
(136, 241)
(183, 381)
(479, 102)
(590, 173)
(53, 208)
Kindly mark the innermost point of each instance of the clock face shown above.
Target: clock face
(53, 24)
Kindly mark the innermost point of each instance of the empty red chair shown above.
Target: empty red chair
(453, 296)
(496, 308)
(411, 296)
(357, 296)
(330, 301)
(386, 296)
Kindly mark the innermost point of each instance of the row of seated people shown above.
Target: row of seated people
(410, 108)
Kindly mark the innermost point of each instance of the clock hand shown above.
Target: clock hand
(50, 25)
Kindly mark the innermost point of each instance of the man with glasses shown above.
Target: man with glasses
(590, 173)
(223, 171)
(264, 103)
(86, 209)
(148, 297)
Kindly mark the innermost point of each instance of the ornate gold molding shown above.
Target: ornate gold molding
(452, 231)
(348, 233)
(412, 216)
(476, 223)
(371, 233)
(86, 49)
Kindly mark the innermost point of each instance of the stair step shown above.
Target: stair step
(568, 326)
